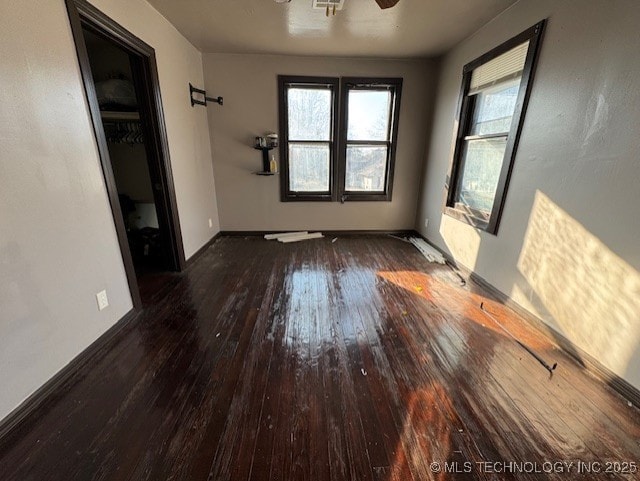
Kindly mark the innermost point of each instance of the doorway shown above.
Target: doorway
(121, 82)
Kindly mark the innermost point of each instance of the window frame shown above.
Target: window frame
(394, 85)
(284, 82)
(465, 111)
(338, 150)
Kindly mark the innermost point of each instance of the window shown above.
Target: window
(308, 131)
(494, 95)
(327, 158)
(370, 126)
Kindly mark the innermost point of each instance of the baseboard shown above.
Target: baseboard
(586, 360)
(200, 251)
(29, 410)
(327, 233)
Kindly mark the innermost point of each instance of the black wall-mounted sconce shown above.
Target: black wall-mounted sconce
(194, 101)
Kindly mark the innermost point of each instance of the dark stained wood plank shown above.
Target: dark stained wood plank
(457, 401)
(354, 360)
(532, 392)
(544, 397)
(265, 444)
(320, 313)
(281, 462)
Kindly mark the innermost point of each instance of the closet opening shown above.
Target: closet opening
(121, 82)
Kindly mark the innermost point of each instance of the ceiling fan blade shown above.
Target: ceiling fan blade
(386, 3)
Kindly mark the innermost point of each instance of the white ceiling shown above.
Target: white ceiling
(413, 28)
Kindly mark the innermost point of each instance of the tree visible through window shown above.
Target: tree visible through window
(495, 90)
(310, 114)
(485, 146)
(371, 116)
(326, 158)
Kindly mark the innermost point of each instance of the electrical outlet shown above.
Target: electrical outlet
(102, 299)
(210, 223)
(426, 223)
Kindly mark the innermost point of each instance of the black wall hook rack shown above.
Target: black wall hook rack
(194, 101)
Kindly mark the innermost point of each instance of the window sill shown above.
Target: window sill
(307, 198)
(466, 216)
(377, 197)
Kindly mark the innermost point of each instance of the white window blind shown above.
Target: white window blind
(505, 67)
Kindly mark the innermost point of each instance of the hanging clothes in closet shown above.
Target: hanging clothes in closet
(120, 132)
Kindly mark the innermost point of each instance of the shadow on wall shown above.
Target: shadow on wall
(591, 294)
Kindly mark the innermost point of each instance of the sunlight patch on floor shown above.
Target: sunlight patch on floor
(463, 303)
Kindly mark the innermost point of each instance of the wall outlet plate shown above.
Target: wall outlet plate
(426, 223)
(102, 299)
(322, 4)
(210, 223)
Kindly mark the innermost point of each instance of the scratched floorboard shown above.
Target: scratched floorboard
(349, 360)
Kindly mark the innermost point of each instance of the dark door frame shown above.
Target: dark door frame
(84, 15)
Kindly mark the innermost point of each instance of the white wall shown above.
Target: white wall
(248, 84)
(568, 245)
(179, 63)
(58, 245)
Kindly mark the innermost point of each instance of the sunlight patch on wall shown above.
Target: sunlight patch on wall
(592, 294)
(462, 241)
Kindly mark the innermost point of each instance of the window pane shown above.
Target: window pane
(494, 109)
(366, 168)
(369, 114)
(482, 162)
(309, 114)
(309, 167)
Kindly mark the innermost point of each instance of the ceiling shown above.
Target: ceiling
(411, 29)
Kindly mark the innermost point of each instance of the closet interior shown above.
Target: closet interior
(115, 85)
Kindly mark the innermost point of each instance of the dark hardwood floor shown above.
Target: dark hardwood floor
(353, 360)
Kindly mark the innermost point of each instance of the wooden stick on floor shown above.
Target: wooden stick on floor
(522, 344)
